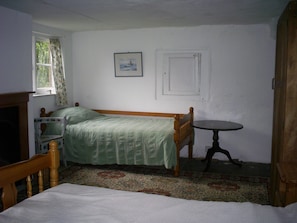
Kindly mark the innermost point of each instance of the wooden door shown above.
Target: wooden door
(284, 136)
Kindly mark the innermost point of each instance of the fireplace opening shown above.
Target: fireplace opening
(14, 141)
(9, 136)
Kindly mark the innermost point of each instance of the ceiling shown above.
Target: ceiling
(83, 15)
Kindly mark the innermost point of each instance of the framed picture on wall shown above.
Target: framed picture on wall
(128, 64)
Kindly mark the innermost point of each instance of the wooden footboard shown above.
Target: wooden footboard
(10, 174)
(183, 129)
(183, 135)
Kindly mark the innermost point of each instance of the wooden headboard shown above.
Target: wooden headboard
(12, 173)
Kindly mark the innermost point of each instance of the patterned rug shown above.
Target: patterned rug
(189, 185)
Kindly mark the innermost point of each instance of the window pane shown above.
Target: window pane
(44, 77)
(42, 52)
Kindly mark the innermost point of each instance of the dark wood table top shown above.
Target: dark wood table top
(217, 125)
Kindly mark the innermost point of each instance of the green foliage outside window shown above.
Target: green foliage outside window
(43, 64)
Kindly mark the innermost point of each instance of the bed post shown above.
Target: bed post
(54, 163)
(177, 143)
(183, 135)
(192, 134)
(42, 112)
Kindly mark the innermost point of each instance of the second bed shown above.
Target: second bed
(133, 138)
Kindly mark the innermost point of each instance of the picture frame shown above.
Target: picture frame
(128, 64)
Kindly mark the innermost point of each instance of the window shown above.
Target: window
(43, 80)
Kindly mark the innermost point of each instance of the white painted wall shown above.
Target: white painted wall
(16, 59)
(241, 69)
(15, 48)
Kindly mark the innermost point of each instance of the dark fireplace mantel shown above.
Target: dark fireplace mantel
(19, 100)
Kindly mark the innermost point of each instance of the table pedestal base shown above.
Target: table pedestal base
(216, 148)
(212, 151)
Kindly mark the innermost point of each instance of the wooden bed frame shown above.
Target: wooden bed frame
(10, 174)
(183, 128)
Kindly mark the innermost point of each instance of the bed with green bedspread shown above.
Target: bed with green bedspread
(95, 138)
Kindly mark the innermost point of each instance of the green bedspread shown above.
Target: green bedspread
(92, 138)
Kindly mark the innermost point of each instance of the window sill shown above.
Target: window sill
(42, 95)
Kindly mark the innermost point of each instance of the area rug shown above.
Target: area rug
(189, 185)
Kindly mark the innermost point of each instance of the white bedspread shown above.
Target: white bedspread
(75, 203)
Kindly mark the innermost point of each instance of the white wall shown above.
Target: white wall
(15, 48)
(16, 59)
(241, 66)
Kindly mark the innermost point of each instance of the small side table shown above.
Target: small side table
(287, 190)
(216, 126)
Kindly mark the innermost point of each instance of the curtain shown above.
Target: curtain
(58, 72)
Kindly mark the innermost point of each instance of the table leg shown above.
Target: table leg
(216, 148)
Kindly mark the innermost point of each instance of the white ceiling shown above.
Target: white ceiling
(82, 15)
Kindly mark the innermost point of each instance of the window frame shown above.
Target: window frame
(46, 90)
